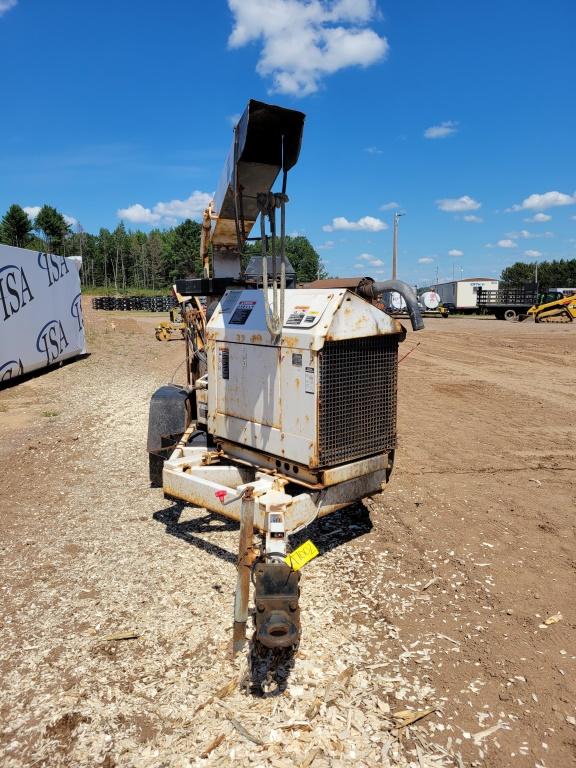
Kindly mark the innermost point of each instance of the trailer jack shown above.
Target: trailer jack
(276, 594)
(276, 585)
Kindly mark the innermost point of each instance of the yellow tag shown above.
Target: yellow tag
(301, 555)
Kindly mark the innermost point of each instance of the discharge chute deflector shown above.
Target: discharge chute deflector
(268, 140)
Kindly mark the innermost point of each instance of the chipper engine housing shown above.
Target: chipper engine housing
(318, 404)
(294, 390)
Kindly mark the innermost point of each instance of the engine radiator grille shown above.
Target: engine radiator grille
(357, 398)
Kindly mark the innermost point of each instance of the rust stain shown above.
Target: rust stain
(240, 337)
(256, 338)
(290, 341)
(297, 383)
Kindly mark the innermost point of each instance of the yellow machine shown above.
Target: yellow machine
(169, 329)
(554, 307)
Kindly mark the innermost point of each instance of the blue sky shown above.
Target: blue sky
(462, 114)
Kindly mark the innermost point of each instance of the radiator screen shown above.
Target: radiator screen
(357, 398)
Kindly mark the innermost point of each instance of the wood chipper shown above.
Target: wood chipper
(292, 392)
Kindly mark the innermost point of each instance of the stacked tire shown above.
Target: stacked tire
(133, 303)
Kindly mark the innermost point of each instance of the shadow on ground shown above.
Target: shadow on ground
(327, 533)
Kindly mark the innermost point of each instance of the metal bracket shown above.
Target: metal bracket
(277, 610)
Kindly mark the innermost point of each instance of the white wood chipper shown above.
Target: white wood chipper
(292, 390)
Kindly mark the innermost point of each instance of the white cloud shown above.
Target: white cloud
(507, 244)
(233, 119)
(326, 245)
(5, 5)
(303, 42)
(374, 151)
(538, 218)
(366, 224)
(458, 204)
(472, 218)
(532, 254)
(525, 234)
(390, 206)
(33, 210)
(455, 253)
(372, 260)
(425, 260)
(441, 131)
(167, 213)
(538, 202)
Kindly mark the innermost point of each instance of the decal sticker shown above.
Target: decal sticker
(297, 315)
(242, 312)
(224, 363)
(310, 381)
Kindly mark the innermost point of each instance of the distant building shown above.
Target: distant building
(462, 294)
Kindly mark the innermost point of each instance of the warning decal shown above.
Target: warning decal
(242, 312)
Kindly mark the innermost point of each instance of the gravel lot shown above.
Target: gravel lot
(431, 595)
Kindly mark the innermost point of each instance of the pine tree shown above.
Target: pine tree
(16, 227)
(54, 226)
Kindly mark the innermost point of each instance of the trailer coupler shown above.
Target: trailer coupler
(276, 595)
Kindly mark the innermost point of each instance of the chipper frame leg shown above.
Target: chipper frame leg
(245, 561)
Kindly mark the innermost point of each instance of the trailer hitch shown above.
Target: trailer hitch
(276, 595)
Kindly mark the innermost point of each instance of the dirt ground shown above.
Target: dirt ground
(432, 595)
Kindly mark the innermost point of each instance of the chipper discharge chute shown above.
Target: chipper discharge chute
(293, 391)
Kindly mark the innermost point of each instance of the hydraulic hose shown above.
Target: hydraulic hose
(398, 286)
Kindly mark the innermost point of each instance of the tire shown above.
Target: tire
(155, 467)
(510, 315)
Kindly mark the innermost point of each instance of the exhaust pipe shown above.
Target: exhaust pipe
(369, 289)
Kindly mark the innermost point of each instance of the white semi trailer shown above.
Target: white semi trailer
(462, 295)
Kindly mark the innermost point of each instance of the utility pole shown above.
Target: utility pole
(395, 245)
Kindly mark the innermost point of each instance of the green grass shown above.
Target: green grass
(49, 414)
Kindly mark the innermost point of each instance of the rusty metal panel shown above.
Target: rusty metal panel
(247, 387)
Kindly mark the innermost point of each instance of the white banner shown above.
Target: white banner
(40, 310)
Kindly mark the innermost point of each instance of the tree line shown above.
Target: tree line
(122, 259)
(551, 274)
